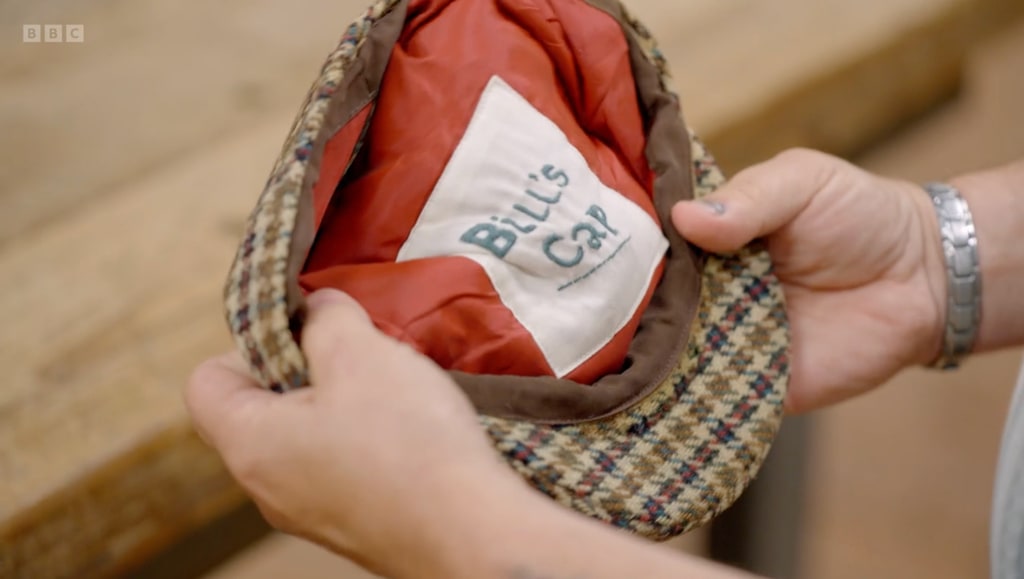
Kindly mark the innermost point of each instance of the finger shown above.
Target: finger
(220, 396)
(338, 338)
(756, 202)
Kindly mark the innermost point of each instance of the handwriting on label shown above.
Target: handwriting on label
(565, 250)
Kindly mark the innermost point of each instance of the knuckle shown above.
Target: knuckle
(820, 167)
(803, 156)
(746, 191)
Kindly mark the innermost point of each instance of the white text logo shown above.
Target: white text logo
(53, 33)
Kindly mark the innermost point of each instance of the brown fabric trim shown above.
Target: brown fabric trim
(358, 89)
(661, 338)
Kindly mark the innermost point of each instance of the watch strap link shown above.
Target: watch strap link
(963, 274)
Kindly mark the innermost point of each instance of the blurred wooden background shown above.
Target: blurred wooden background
(128, 162)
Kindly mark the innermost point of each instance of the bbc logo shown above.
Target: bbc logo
(53, 33)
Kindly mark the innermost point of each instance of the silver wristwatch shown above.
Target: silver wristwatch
(963, 274)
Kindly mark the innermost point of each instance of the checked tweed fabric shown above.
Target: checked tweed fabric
(256, 291)
(666, 465)
(684, 454)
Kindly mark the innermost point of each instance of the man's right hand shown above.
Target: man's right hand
(860, 260)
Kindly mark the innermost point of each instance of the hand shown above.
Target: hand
(860, 260)
(368, 461)
(383, 461)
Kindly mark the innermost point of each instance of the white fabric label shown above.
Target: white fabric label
(571, 258)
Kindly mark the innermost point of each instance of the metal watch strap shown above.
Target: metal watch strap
(963, 274)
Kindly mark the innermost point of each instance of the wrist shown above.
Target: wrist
(519, 533)
(490, 535)
(933, 274)
(996, 199)
(450, 527)
(963, 282)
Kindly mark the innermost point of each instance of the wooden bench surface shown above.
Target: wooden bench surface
(131, 160)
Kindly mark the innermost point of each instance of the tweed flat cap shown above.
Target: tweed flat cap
(492, 180)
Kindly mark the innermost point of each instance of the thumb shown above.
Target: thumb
(338, 338)
(221, 398)
(756, 202)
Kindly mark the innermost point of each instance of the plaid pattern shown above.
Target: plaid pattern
(665, 466)
(256, 289)
(685, 453)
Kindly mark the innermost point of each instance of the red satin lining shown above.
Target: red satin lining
(571, 62)
(337, 152)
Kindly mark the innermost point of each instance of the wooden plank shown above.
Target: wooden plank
(756, 78)
(103, 316)
(114, 243)
(151, 81)
(154, 80)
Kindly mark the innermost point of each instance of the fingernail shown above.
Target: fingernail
(325, 297)
(716, 207)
